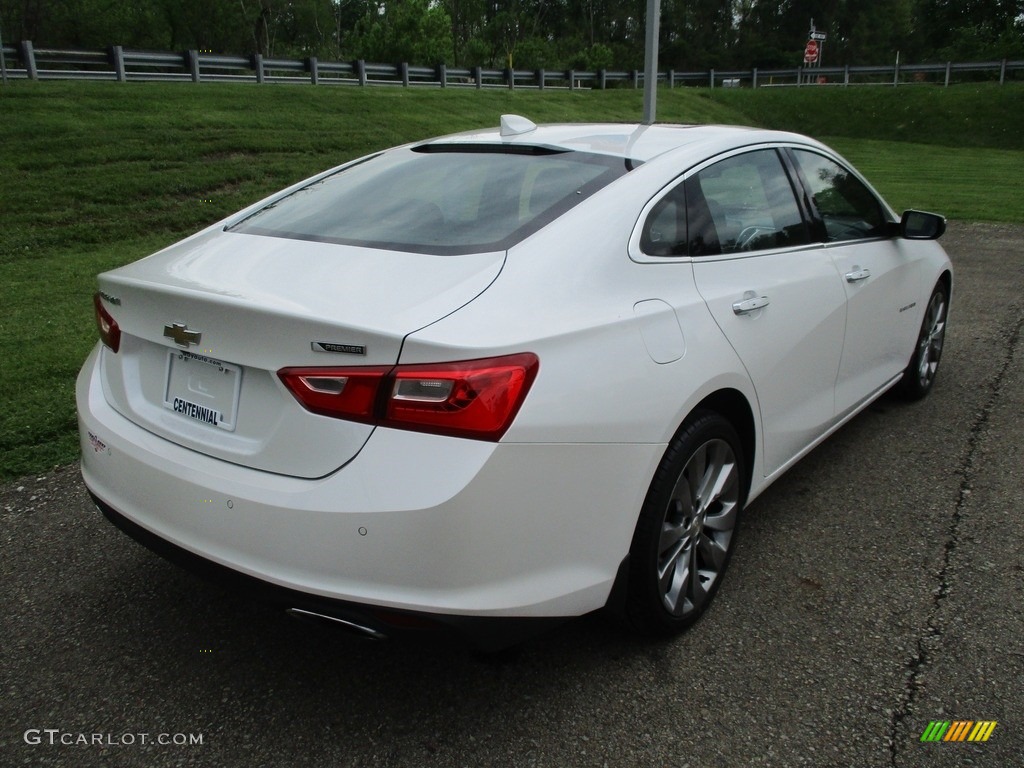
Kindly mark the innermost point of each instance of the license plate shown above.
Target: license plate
(203, 389)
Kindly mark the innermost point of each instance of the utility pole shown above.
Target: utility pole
(651, 61)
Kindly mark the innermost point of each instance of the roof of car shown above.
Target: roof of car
(628, 140)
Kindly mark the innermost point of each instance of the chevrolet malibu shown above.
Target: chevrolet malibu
(490, 381)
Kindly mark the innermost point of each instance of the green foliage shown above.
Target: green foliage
(594, 58)
(100, 174)
(982, 44)
(976, 29)
(292, 28)
(695, 34)
(414, 31)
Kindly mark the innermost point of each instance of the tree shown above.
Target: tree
(971, 29)
(416, 31)
(554, 34)
(697, 34)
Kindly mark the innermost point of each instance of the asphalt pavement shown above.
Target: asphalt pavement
(878, 587)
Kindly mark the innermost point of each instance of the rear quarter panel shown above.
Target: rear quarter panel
(568, 294)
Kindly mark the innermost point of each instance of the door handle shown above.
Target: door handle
(857, 274)
(750, 305)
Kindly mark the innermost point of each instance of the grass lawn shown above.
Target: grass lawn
(98, 174)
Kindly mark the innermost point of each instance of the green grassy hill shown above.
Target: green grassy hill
(980, 116)
(93, 175)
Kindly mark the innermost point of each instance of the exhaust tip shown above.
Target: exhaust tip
(361, 630)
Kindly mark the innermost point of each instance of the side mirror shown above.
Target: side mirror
(920, 225)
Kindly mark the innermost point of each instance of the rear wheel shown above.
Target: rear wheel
(924, 363)
(687, 527)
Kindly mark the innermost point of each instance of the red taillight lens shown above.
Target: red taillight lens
(110, 332)
(477, 399)
(344, 393)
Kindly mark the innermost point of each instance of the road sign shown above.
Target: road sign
(820, 36)
(811, 52)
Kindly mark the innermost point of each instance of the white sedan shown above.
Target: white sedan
(493, 380)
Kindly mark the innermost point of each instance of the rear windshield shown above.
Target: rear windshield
(438, 199)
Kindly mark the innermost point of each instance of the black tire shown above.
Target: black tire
(920, 374)
(687, 527)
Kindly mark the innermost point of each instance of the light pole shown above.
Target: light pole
(651, 61)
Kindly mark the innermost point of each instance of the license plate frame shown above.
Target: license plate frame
(203, 389)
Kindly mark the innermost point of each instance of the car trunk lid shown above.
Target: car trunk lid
(206, 324)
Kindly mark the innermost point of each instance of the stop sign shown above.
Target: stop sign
(811, 51)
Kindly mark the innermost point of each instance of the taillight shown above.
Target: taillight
(110, 332)
(477, 399)
(344, 393)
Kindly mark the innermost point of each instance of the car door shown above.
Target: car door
(773, 293)
(876, 273)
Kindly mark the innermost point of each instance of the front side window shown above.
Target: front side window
(848, 208)
(438, 199)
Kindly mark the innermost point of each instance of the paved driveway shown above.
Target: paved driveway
(877, 587)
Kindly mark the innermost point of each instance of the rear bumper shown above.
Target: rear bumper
(459, 531)
(483, 633)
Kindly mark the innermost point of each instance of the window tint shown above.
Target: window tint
(448, 200)
(745, 203)
(664, 232)
(848, 209)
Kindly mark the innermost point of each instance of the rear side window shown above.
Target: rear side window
(439, 199)
(848, 208)
(664, 232)
(742, 203)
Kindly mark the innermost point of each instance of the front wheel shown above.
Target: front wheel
(924, 363)
(687, 527)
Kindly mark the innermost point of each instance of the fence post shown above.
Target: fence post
(314, 70)
(28, 55)
(799, 76)
(361, 71)
(1002, 73)
(671, 79)
(846, 75)
(540, 79)
(636, 79)
(3, 61)
(896, 73)
(571, 76)
(753, 78)
(257, 64)
(602, 78)
(478, 76)
(711, 79)
(117, 56)
(442, 74)
(193, 64)
(404, 69)
(949, 67)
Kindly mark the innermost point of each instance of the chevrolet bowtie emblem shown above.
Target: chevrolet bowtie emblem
(182, 336)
